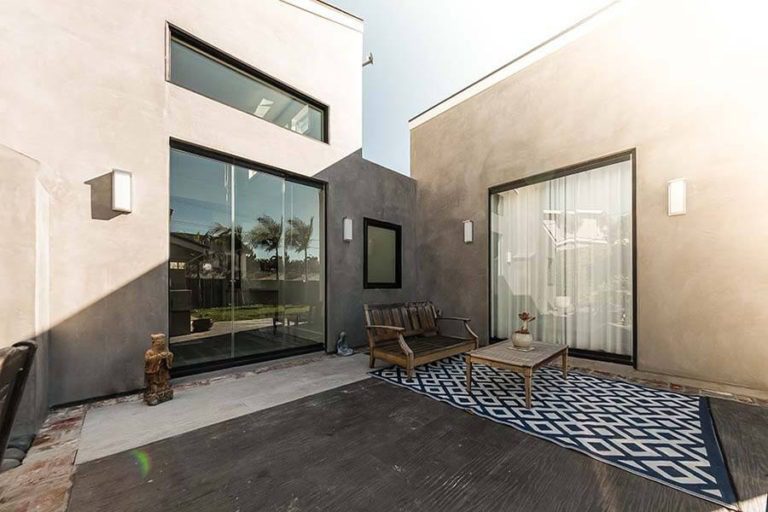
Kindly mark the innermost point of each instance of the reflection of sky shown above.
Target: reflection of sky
(201, 197)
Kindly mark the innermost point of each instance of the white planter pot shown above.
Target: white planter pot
(522, 340)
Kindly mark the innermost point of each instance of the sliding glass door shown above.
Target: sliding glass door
(246, 270)
(562, 249)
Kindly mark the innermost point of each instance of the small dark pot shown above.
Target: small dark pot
(202, 325)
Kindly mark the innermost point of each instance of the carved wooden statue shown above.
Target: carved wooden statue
(157, 371)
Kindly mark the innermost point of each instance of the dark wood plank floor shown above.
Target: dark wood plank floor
(743, 432)
(373, 446)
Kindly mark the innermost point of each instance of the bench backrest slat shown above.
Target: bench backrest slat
(417, 318)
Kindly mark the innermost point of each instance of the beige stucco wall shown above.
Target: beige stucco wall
(24, 274)
(83, 91)
(22, 255)
(683, 82)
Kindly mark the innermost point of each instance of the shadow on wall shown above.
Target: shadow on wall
(34, 403)
(99, 351)
(101, 197)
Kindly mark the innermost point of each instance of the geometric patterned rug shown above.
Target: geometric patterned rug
(664, 436)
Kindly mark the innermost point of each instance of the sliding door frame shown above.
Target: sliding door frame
(622, 156)
(288, 176)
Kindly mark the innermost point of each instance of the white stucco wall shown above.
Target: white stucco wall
(83, 91)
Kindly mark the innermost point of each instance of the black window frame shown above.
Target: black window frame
(595, 163)
(398, 253)
(320, 184)
(197, 44)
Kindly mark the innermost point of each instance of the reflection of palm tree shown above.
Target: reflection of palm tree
(218, 240)
(267, 234)
(299, 238)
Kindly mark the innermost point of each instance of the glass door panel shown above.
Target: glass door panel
(305, 266)
(259, 262)
(529, 225)
(200, 266)
(247, 268)
(278, 266)
(562, 250)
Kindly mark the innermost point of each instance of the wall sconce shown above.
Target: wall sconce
(122, 191)
(676, 192)
(468, 232)
(347, 237)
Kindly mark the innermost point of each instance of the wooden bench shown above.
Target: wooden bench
(408, 334)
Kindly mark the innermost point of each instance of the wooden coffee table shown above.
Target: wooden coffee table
(505, 356)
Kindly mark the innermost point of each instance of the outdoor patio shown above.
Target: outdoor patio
(515, 262)
(315, 433)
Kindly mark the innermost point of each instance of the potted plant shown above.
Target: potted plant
(202, 324)
(522, 338)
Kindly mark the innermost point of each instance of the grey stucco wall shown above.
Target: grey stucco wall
(694, 107)
(357, 189)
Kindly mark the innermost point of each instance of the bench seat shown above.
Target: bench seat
(408, 334)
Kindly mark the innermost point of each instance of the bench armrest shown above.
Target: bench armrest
(466, 327)
(390, 327)
(460, 319)
(400, 340)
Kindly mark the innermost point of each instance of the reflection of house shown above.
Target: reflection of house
(183, 250)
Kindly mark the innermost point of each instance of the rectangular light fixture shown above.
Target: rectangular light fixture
(122, 191)
(468, 232)
(347, 229)
(676, 192)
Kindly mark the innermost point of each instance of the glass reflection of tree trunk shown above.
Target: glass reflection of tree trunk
(299, 238)
(267, 235)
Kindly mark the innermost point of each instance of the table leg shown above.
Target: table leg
(469, 374)
(528, 379)
(565, 364)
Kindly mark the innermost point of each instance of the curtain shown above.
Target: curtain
(562, 250)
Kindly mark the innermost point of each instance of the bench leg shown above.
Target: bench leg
(371, 359)
(410, 370)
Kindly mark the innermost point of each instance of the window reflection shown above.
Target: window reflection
(194, 69)
(251, 289)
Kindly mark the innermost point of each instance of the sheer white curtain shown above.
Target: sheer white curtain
(562, 250)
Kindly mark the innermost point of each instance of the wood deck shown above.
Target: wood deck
(373, 446)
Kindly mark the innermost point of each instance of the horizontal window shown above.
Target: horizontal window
(200, 68)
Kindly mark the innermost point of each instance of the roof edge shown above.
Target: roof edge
(519, 63)
(334, 7)
(329, 12)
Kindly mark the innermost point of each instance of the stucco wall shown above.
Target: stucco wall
(683, 82)
(84, 91)
(24, 267)
(357, 189)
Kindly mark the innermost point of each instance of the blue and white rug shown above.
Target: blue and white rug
(664, 436)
